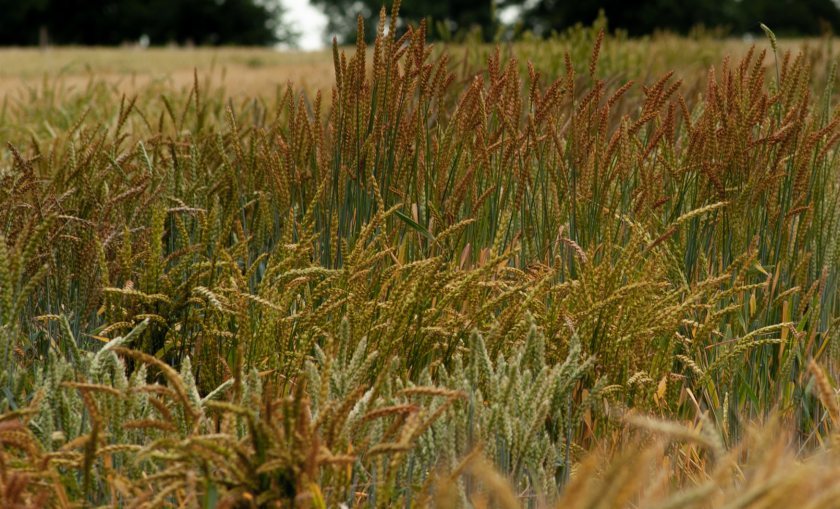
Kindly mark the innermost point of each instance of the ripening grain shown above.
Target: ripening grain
(545, 275)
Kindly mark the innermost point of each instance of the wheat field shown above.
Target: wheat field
(588, 272)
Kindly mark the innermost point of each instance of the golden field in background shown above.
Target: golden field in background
(247, 72)
(243, 71)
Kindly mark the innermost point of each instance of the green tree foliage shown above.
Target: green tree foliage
(104, 22)
(790, 17)
(795, 17)
(19, 21)
(638, 17)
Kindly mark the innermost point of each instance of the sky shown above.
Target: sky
(309, 21)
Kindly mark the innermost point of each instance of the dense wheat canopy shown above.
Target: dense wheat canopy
(533, 276)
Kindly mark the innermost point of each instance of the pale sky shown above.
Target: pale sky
(309, 21)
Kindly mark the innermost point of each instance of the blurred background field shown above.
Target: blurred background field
(249, 71)
(243, 71)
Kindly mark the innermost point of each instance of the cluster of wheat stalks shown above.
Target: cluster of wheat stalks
(446, 285)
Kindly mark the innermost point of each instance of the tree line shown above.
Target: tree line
(113, 22)
(637, 17)
(260, 22)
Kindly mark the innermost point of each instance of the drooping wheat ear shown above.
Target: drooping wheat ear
(770, 36)
(676, 431)
(826, 393)
(172, 376)
(497, 485)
